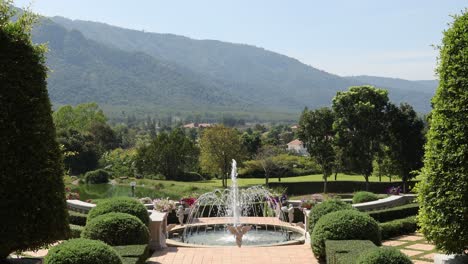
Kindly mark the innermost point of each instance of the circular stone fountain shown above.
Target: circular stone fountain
(230, 217)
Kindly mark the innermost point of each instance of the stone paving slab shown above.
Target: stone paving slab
(411, 253)
(423, 247)
(429, 256)
(409, 238)
(421, 262)
(297, 254)
(393, 243)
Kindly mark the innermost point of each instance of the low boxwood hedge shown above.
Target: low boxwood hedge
(398, 227)
(117, 229)
(363, 197)
(82, 251)
(75, 231)
(327, 206)
(133, 254)
(346, 251)
(120, 205)
(383, 255)
(393, 213)
(76, 218)
(344, 225)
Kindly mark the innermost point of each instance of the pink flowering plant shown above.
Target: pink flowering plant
(189, 201)
(164, 205)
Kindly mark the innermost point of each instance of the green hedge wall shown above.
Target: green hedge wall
(75, 231)
(133, 254)
(346, 251)
(398, 227)
(76, 218)
(300, 188)
(393, 213)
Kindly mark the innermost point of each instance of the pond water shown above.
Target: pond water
(101, 191)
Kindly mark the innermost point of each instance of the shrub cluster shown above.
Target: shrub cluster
(362, 197)
(75, 231)
(97, 176)
(346, 251)
(76, 218)
(344, 225)
(327, 206)
(117, 229)
(383, 255)
(82, 251)
(393, 213)
(120, 205)
(398, 227)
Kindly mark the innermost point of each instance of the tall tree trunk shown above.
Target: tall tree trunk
(267, 177)
(403, 179)
(325, 180)
(367, 182)
(336, 174)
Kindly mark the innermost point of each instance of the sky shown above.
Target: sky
(389, 38)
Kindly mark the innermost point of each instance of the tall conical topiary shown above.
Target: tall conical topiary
(32, 199)
(443, 192)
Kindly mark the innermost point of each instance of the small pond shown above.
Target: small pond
(102, 191)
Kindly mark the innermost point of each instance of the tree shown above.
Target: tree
(443, 192)
(85, 153)
(170, 154)
(80, 118)
(265, 156)
(32, 194)
(219, 146)
(405, 140)
(359, 122)
(316, 132)
(251, 142)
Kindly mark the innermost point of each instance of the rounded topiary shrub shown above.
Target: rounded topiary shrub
(344, 225)
(97, 176)
(362, 197)
(327, 206)
(120, 205)
(117, 229)
(383, 255)
(82, 251)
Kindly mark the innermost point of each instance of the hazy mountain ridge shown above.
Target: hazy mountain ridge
(97, 62)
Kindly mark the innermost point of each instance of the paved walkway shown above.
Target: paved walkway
(297, 254)
(415, 247)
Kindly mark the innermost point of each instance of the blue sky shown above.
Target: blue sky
(389, 38)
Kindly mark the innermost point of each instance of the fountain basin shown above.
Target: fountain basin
(212, 232)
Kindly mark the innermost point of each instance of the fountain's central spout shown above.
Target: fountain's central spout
(235, 201)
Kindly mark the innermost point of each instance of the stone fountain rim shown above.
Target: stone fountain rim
(299, 241)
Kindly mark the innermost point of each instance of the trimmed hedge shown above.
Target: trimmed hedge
(344, 225)
(398, 227)
(383, 255)
(327, 206)
(117, 229)
(346, 251)
(133, 254)
(75, 231)
(82, 251)
(120, 205)
(362, 197)
(97, 176)
(393, 213)
(76, 218)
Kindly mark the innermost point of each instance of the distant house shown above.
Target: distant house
(198, 125)
(294, 128)
(298, 147)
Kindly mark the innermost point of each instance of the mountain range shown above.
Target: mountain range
(150, 72)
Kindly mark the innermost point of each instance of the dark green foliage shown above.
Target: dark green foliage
(398, 227)
(346, 251)
(327, 206)
(359, 122)
(443, 194)
(77, 218)
(32, 195)
(316, 132)
(120, 205)
(133, 254)
(75, 231)
(170, 154)
(393, 213)
(344, 225)
(84, 153)
(117, 229)
(82, 251)
(383, 255)
(97, 176)
(362, 197)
